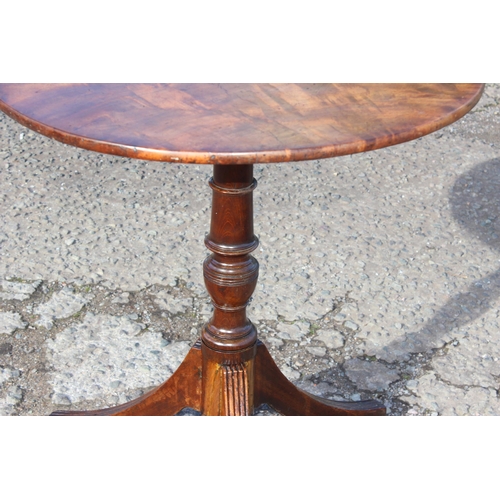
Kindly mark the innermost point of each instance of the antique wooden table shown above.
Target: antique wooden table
(232, 126)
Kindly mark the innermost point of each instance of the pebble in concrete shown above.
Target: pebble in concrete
(123, 298)
(62, 304)
(316, 351)
(6, 409)
(350, 325)
(107, 354)
(331, 338)
(10, 322)
(370, 375)
(6, 374)
(297, 331)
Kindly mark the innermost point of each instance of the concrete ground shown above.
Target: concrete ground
(379, 272)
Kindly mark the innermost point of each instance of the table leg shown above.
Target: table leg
(274, 389)
(230, 371)
(181, 390)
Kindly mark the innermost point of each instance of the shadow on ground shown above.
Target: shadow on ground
(475, 204)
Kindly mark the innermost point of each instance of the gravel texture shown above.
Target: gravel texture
(379, 272)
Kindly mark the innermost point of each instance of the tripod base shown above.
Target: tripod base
(185, 389)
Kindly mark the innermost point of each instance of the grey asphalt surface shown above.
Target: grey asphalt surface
(379, 272)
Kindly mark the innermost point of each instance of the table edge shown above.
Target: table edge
(240, 158)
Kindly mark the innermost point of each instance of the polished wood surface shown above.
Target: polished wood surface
(236, 123)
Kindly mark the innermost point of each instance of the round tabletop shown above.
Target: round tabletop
(236, 123)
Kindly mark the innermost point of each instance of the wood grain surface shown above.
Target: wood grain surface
(236, 123)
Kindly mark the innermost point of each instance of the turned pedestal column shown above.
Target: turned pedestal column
(229, 340)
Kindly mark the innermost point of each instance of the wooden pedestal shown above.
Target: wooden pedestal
(228, 371)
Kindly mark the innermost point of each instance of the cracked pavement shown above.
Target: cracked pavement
(379, 272)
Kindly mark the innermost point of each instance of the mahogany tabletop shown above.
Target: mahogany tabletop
(236, 123)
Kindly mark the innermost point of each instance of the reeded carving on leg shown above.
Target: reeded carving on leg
(228, 381)
(236, 401)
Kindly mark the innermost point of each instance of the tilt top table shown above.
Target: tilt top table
(232, 126)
